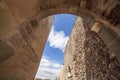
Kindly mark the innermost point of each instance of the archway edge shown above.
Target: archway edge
(81, 11)
(111, 32)
(75, 10)
(44, 9)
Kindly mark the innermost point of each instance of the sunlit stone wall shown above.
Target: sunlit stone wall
(87, 57)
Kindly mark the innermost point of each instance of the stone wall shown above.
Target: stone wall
(26, 14)
(21, 50)
(87, 57)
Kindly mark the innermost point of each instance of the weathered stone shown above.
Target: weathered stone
(23, 47)
(6, 52)
(24, 18)
(91, 59)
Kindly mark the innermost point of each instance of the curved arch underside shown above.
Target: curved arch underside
(21, 22)
(16, 12)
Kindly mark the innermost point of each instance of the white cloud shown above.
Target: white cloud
(57, 39)
(48, 69)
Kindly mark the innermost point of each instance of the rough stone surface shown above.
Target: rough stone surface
(23, 36)
(21, 51)
(87, 56)
(13, 13)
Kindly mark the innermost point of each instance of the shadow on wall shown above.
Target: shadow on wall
(100, 63)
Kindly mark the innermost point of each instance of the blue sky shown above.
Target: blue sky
(53, 55)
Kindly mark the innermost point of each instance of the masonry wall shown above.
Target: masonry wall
(87, 56)
(21, 50)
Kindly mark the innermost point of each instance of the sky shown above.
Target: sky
(53, 54)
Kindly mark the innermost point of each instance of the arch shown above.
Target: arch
(98, 10)
(24, 33)
(102, 23)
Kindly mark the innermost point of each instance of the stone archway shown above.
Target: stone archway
(19, 42)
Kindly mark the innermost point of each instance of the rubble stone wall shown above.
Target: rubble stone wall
(88, 56)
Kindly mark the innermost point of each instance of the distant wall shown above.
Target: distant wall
(41, 79)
